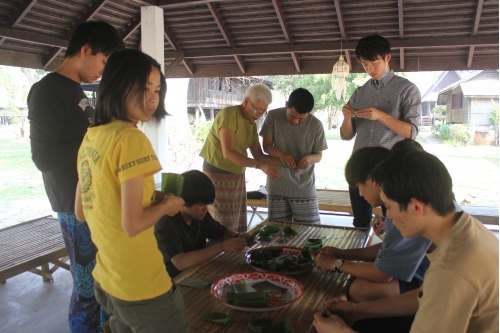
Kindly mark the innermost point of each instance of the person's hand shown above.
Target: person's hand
(378, 225)
(332, 251)
(348, 111)
(303, 163)
(347, 308)
(325, 261)
(172, 204)
(158, 198)
(288, 160)
(269, 170)
(234, 244)
(369, 113)
(330, 324)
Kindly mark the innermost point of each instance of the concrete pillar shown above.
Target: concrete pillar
(152, 40)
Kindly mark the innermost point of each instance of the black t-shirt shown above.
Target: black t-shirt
(59, 114)
(175, 236)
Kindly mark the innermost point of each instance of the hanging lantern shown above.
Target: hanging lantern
(339, 73)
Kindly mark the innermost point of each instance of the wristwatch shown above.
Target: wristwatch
(338, 264)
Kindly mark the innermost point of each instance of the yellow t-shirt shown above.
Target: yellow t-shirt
(245, 135)
(128, 268)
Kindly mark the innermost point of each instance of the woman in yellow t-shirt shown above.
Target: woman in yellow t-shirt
(225, 156)
(115, 193)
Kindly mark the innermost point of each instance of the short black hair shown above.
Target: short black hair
(406, 145)
(197, 188)
(126, 73)
(302, 100)
(361, 163)
(372, 46)
(419, 175)
(99, 35)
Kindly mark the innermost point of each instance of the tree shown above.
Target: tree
(495, 118)
(320, 87)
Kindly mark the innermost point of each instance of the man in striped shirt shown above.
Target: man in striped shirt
(385, 110)
(297, 137)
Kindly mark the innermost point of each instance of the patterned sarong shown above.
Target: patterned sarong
(230, 204)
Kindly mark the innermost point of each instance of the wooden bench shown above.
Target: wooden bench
(32, 244)
(328, 200)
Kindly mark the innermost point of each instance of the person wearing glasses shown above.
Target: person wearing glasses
(297, 138)
(225, 156)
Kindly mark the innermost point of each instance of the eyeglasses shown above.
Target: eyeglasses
(258, 112)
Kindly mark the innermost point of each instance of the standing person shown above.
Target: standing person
(460, 289)
(225, 156)
(385, 110)
(297, 138)
(59, 114)
(115, 192)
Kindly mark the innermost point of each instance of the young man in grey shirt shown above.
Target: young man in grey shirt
(385, 110)
(297, 137)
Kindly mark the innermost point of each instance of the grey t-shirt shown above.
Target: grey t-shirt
(306, 138)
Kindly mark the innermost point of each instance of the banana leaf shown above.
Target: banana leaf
(284, 326)
(341, 315)
(239, 287)
(221, 318)
(251, 296)
(305, 255)
(268, 287)
(265, 236)
(283, 165)
(195, 283)
(272, 252)
(313, 244)
(252, 236)
(290, 231)
(172, 183)
(256, 255)
(258, 325)
(255, 303)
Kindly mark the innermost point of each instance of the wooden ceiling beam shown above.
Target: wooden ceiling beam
(475, 29)
(32, 37)
(145, 2)
(220, 24)
(471, 55)
(241, 63)
(170, 38)
(89, 14)
(175, 3)
(402, 58)
(331, 47)
(281, 19)
(340, 18)
(400, 19)
(173, 65)
(18, 15)
(129, 30)
(296, 61)
(348, 58)
(188, 65)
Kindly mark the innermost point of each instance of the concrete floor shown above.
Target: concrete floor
(29, 305)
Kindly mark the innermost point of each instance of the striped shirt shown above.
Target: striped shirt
(395, 96)
(304, 139)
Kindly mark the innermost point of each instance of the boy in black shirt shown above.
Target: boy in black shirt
(182, 238)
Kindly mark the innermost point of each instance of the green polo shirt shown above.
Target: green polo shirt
(245, 135)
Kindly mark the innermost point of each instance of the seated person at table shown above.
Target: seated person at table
(385, 269)
(460, 290)
(182, 238)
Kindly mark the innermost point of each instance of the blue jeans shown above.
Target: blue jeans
(85, 314)
(361, 209)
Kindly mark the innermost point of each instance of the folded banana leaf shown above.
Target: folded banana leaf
(251, 296)
(313, 244)
(268, 287)
(258, 325)
(290, 232)
(272, 252)
(195, 283)
(284, 326)
(255, 303)
(305, 255)
(265, 236)
(221, 318)
(341, 315)
(283, 165)
(239, 287)
(252, 236)
(172, 183)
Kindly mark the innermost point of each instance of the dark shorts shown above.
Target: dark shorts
(407, 286)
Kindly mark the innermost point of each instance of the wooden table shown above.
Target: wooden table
(25, 246)
(329, 200)
(319, 285)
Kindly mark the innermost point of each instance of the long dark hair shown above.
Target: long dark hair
(126, 72)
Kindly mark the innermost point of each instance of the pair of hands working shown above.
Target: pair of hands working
(302, 164)
(369, 113)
